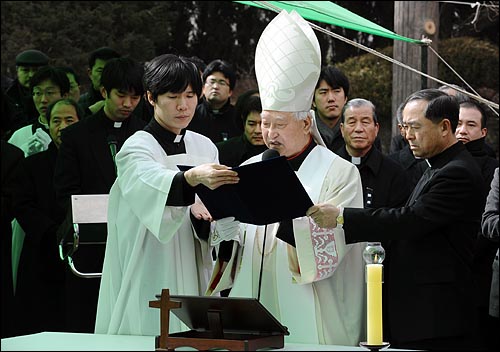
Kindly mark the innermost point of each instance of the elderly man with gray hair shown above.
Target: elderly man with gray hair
(312, 282)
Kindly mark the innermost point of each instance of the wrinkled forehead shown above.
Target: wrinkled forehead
(273, 115)
(414, 111)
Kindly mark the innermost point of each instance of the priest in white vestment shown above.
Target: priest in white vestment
(312, 282)
(152, 243)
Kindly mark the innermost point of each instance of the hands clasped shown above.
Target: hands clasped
(211, 175)
(226, 229)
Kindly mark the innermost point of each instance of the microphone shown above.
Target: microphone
(112, 143)
(270, 154)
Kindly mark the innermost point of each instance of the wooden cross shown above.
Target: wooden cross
(165, 304)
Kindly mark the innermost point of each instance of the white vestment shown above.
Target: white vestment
(150, 246)
(317, 289)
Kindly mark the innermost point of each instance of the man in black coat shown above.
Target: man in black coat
(85, 165)
(401, 153)
(385, 183)
(41, 270)
(472, 131)
(429, 275)
(11, 157)
(19, 91)
(215, 116)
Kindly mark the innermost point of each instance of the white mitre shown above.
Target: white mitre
(287, 63)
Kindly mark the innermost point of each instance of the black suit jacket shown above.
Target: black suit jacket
(385, 182)
(84, 164)
(11, 157)
(40, 268)
(429, 274)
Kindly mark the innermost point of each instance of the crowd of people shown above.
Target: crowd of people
(432, 200)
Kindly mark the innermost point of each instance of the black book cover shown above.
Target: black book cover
(269, 191)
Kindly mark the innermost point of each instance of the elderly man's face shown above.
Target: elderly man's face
(424, 136)
(283, 132)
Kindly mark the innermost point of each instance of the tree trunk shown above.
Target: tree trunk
(413, 19)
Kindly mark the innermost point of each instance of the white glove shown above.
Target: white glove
(38, 142)
(226, 229)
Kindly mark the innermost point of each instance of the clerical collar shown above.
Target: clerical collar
(356, 160)
(46, 125)
(439, 160)
(296, 160)
(172, 143)
(113, 125)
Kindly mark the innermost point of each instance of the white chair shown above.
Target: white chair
(86, 209)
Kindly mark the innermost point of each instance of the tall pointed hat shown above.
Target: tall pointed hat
(287, 63)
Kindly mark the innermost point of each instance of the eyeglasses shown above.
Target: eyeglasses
(220, 82)
(47, 92)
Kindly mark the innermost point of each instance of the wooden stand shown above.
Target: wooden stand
(214, 335)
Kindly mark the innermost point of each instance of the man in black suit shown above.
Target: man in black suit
(429, 276)
(85, 165)
(11, 157)
(41, 271)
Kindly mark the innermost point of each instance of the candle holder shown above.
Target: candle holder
(374, 255)
(374, 347)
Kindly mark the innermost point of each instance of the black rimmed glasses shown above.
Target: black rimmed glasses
(49, 92)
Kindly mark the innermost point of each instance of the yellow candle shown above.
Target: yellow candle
(374, 303)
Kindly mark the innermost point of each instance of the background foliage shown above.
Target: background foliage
(477, 61)
(69, 30)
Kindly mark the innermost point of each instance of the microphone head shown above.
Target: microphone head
(270, 154)
(112, 139)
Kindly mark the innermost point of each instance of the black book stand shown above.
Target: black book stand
(232, 323)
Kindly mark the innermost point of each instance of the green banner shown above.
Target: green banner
(328, 12)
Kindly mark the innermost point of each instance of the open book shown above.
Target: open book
(269, 191)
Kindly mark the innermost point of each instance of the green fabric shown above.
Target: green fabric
(328, 12)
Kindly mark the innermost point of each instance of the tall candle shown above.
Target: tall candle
(374, 303)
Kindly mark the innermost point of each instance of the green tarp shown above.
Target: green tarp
(331, 13)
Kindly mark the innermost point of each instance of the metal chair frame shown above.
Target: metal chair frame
(85, 209)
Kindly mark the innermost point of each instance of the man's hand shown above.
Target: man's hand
(211, 175)
(199, 211)
(325, 215)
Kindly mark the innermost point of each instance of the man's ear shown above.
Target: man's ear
(149, 96)
(103, 92)
(446, 126)
(308, 123)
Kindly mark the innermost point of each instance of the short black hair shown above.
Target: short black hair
(473, 104)
(440, 106)
(199, 63)
(334, 78)
(55, 75)
(70, 70)
(124, 74)
(240, 103)
(171, 73)
(224, 67)
(66, 101)
(251, 103)
(104, 53)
